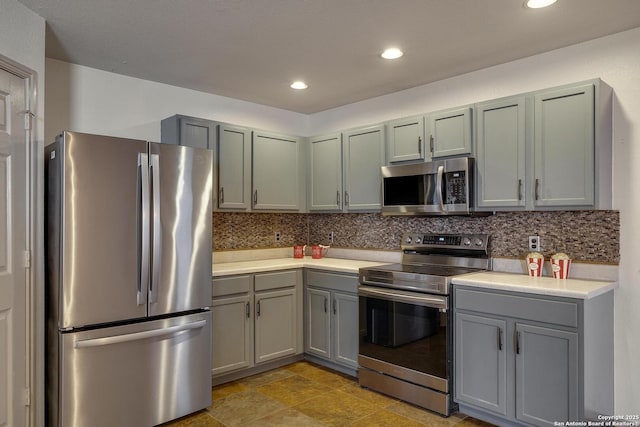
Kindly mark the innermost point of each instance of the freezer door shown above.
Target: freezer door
(94, 205)
(181, 228)
(141, 374)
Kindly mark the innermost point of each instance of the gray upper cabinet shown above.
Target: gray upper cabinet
(363, 157)
(405, 140)
(276, 174)
(500, 162)
(325, 173)
(234, 167)
(450, 132)
(188, 131)
(564, 147)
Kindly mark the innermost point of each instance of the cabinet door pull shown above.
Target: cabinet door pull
(420, 145)
(500, 339)
(325, 304)
(338, 198)
(335, 306)
(519, 189)
(258, 309)
(221, 194)
(517, 342)
(346, 198)
(255, 197)
(248, 309)
(431, 143)
(537, 187)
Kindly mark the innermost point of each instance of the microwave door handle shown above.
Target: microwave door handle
(439, 194)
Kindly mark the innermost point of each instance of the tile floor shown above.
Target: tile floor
(306, 394)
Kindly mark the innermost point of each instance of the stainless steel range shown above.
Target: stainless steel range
(405, 317)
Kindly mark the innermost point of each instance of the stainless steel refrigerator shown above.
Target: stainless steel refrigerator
(128, 281)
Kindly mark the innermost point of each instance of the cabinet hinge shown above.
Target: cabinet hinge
(27, 259)
(27, 397)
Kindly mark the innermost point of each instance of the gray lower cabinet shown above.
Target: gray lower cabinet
(331, 319)
(532, 359)
(257, 318)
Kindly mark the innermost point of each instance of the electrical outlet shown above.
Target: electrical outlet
(277, 236)
(534, 243)
(330, 237)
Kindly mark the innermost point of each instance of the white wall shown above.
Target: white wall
(615, 59)
(88, 100)
(22, 41)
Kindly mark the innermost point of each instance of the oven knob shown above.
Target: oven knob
(417, 240)
(466, 241)
(408, 240)
(478, 242)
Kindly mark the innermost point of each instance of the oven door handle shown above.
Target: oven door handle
(440, 302)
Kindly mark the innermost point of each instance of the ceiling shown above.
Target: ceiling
(253, 49)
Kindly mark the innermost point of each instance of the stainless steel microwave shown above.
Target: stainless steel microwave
(441, 187)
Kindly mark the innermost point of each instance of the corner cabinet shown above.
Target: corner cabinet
(331, 319)
(532, 359)
(363, 156)
(276, 174)
(325, 173)
(405, 140)
(257, 321)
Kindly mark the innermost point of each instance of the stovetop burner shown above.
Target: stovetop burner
(429, 261)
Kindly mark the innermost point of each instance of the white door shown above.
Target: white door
(13, 243)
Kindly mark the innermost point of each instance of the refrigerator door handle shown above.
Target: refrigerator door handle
(157, 231)
(117, 339)
(143, 228)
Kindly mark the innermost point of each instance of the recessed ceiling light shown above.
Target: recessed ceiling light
(537, 4)
(299, 84)
(392, 53)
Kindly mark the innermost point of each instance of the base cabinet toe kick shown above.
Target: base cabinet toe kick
(525, 359)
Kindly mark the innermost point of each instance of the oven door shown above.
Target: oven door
(405, 335)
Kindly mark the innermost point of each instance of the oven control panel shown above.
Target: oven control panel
(418, 241)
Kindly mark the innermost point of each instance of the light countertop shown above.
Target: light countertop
(257, 266)
(572, 288)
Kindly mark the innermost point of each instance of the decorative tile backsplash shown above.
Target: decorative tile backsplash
(592, 236)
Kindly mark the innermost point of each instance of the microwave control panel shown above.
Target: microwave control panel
(456, 187)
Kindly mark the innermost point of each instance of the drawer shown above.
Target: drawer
(231, 285)
(517, 306)
(338, 282)
(276, 280)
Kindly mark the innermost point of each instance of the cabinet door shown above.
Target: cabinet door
(405, 139)
(232, 334)
(325, 170)
(197, 133)
(318, 325)
(480, 362)
(501, 153)
(275, 324)
(450, 132)
(275, 172)
(546, 374)
(363, 157)
(564, 147)
(234, 167)
(345, 314)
